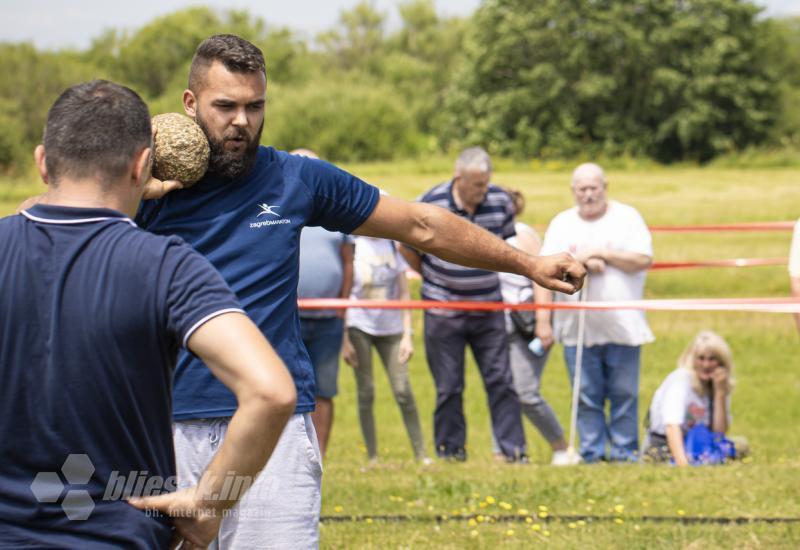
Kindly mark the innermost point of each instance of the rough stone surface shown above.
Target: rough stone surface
(181, 149)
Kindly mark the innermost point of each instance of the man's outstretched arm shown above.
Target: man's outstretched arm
(441, 233)
(242, 359)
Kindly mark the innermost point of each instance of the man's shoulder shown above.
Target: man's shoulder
(7, 223)
(622, 209)
(568, 216)
(437, 193)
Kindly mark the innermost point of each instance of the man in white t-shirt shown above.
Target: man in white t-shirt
(613, 242)
(794, 268)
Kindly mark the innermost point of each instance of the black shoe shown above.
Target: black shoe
(519, 459)
(459, 455)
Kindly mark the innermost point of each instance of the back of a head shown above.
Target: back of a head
(94, 130)
(235, 53)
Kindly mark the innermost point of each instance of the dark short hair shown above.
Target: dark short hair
(235, 53)
(94, 129)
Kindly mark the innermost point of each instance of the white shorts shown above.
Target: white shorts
(282, 507)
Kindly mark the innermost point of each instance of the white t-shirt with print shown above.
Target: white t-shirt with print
(794, 252)
(675, 403)
(376, 266)
(620, 228)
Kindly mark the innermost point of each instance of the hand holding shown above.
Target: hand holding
(595, 265)
(349, 352)
(544, 331)
(406, 348)
(196, 524)
(719, 378)
(559, 272)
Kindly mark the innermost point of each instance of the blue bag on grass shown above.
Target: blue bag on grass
(705, 447)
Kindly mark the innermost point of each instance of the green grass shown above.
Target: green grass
(766, 402)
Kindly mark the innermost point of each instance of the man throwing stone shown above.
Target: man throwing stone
(256, 249)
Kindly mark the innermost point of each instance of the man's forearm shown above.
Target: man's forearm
(236, 352)
(542, 296)
(720, 414)
(441, 233)
(251, 437)
(629, 262)
(675, 443)
(348, 255)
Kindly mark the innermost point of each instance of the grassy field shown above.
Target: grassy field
(539, 504)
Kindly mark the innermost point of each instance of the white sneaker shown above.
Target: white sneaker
(565, 458)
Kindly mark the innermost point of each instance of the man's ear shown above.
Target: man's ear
(142, 165)
(190, 103)
(41, 165)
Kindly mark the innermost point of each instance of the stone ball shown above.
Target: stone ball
(181, 149)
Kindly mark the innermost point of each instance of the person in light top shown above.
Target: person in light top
(614, 244)
(380, 274)
(697, 392)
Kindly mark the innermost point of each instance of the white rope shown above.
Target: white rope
(576, 383)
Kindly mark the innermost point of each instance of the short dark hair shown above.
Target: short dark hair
(94, 129)
(235, 53)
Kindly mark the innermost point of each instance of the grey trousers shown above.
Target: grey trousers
(388, 349)
(526, 370)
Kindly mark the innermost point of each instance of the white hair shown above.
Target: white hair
(588, 171)
(474, 157)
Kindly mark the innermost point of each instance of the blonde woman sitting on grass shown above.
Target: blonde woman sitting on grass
(697, 393)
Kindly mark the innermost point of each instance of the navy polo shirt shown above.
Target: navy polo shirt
(250, 231)
(92, 314)
(445, 281)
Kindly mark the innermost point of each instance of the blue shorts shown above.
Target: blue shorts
(323, 340)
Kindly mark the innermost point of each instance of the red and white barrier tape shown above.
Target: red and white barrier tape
(763, 305)
(736, 262)
(719, 227)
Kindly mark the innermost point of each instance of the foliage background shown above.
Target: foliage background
(668, 80)
(410, 97)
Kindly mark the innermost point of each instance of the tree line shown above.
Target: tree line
(671, 80)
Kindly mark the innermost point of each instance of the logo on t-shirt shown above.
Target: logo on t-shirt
(694, 414)
(267, 209)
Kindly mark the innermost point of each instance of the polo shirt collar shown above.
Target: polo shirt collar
(68, 215)
(451, 200)
(458, 209)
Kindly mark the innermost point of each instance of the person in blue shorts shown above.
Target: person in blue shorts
(93, 313)
(246, 216)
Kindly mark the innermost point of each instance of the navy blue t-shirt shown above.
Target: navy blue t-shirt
(250, 231)
(93, 312)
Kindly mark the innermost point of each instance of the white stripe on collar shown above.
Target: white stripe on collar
(80, 220)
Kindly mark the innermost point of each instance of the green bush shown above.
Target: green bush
(341, 121)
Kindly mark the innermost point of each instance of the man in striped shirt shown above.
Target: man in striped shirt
(469, 195)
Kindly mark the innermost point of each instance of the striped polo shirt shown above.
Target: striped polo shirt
(444, 281)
